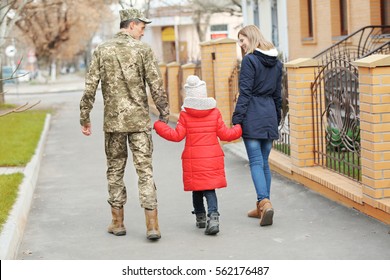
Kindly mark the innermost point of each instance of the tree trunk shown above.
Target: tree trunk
(53, 70)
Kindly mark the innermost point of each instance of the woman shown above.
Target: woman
(258, 110)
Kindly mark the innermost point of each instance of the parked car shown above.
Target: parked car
(20, 75)
(23, 75)
(7, 73)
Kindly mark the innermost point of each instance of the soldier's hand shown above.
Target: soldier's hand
(164, 119)
(86, 129)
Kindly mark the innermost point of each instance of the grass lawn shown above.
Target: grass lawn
(19, 136)
(20, 133)
(9, 186)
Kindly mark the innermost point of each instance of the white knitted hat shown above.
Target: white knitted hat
(194, 87)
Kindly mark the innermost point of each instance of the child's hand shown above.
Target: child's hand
(157, 123)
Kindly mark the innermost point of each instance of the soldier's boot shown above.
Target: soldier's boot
(254, 213)
(266, 212)
(152, 228)
(201, 220)
(117, 227)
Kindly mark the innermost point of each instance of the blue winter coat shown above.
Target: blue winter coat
(258, 107)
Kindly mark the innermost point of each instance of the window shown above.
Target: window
(343, 17)
(385, 14)
(275, 27)
(256, 16)
(339, 19)
(218, 31)
(307, 20)
(310, 18)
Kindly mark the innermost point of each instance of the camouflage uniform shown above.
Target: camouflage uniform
(124, 65)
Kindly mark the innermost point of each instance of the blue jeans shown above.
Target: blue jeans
(258, 151)
(211, 198)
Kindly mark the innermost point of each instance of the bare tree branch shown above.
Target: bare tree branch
(62, 29)
(20, 109)
(204, 9)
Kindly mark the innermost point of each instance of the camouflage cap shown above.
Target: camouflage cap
(133, 13)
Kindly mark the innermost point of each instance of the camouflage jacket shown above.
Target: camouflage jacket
(124, 66)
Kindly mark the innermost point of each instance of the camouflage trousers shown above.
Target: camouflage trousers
(141, 146)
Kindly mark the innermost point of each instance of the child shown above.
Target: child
(200, 122)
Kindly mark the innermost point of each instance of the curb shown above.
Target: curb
(12, 233)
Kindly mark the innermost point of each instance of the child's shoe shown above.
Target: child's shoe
(201, 220)
(212, 224)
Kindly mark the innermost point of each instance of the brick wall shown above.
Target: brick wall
(374, 86)
(300, 76)
(372, 195)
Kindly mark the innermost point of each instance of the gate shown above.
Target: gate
(336, 113)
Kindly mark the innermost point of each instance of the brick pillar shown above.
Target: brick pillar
(374, 87)
(300, 73)
(188, 69)
(220, 58)
(173, 86)
(207, 68)
(163, 70)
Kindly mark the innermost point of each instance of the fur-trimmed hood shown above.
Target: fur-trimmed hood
(199, 103)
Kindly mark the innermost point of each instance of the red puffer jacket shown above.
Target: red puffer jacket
(202, 158)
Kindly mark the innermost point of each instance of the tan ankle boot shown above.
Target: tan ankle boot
(116, 227)
(254, 213)
(266, 212)
(152, 228)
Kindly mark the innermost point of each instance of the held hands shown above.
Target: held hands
(163, 119)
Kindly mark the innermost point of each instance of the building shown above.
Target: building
(304, 28)
(174, 36)
(315, 25)
(271, 17)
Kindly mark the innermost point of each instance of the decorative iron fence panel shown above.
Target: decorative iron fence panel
(283, 143)
(361, 43)
(234, 89)
(336, 114)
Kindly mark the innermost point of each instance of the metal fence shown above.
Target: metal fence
(283, 143)
(336, 116)
(234, 89)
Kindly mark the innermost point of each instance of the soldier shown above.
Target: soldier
(124, 65)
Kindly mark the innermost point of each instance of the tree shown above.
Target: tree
(8, 16)
(203, 10)
(60, 29)
(125, 4)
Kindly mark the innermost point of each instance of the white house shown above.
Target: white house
(271, 17)
(173, 35)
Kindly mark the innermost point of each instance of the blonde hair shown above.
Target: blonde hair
(255, 38)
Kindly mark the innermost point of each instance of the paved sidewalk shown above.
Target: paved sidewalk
(63, 83)
(13, 230)
(62, 224)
